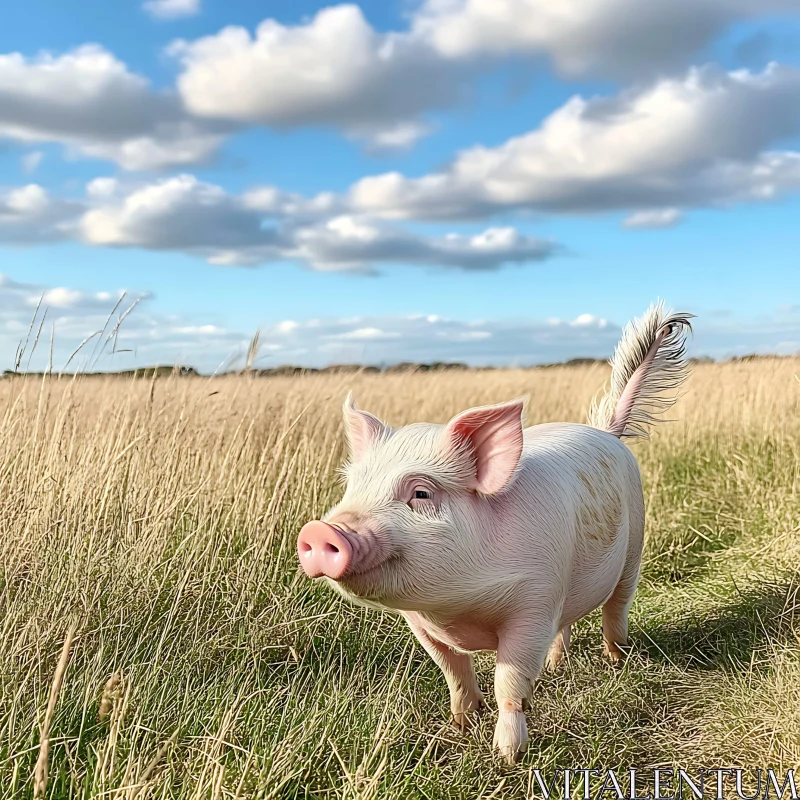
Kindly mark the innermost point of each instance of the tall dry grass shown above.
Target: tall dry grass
(159, 518)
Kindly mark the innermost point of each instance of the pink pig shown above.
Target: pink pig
(486, 535)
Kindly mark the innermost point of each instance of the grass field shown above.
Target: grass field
(158, 519)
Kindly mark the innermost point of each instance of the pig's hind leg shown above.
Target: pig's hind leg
(615, 609)
(465, 694)
(558, 649)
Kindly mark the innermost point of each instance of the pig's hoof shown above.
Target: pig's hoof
(554, 660)
(615, 653)
(464, 721)
(464, 710)
(558, 650)
(511, 736)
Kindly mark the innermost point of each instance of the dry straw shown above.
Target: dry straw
(40, 771)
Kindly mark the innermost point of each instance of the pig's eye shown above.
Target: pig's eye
(421, 498)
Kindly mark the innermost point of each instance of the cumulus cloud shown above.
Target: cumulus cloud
(182, 214)
(658, 218)
(697, 140)
(620, 38)
(28, 214)
(18, 300)
(701, 140)
(379, 87)
(187, 215)
(90, 102)
(351, 244)
(374, 87)
(171, 9)
(428, 337)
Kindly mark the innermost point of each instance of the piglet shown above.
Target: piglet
(486, 535)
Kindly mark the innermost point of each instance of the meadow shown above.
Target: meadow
(150, 524)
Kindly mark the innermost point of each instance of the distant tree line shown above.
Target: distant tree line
(402, 367)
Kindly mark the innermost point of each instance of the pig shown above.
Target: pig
(486, 535)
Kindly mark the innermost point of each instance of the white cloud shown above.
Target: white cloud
(355, 244)
(186, 215)
(171, 9)
(427, 338)
(149, 337)
(381, 84)
(199, 330)
(18, 297)
(332, 70)
(628, 38)
(699, 140)
(61, 297)
(378, 87)
(656, 218)
(364, 334)
(588, 321)
(401, 137)
(181, 214)
(182, 145)
(102, 187)
(88, 101)
(28, 214)
(30, 199)
(502, 342)
(31, 161)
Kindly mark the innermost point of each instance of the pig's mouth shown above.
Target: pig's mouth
(373, 587)
(369, 554)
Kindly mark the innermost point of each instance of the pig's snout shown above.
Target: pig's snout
(323, 550)
(338, 552)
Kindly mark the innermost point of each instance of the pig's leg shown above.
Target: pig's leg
(558, 649)
(615, 621)
(520, 654)
(465, 694)
(615, 610)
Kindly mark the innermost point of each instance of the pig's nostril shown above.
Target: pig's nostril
(323, 550)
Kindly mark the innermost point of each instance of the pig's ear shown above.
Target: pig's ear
(494, 435)
(362, 428)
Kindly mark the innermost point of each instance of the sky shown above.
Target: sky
(501, 182)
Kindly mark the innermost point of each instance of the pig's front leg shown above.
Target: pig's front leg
(465, 694)
(521, 652)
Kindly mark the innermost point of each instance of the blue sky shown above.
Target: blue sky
(494, 182)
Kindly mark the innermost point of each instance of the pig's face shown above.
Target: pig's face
(414, 526)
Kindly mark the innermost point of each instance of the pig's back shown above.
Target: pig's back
(584, 485)
(573, 448)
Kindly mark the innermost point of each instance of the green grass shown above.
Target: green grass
(175, 558)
